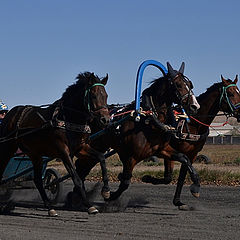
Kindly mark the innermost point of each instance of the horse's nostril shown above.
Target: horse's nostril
(194, 107)
(104, 120)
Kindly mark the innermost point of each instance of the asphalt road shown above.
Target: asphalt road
(143, 212)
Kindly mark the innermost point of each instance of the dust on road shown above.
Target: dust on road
(143, 212)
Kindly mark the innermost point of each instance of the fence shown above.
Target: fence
(223, 140)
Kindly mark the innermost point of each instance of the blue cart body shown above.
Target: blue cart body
(21, 167)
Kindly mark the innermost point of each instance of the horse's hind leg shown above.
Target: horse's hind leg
(38, 167)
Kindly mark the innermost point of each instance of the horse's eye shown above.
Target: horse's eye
(230, 94)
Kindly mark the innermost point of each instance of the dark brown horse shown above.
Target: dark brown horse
(57, 131)
(137, 140)
(223, 96)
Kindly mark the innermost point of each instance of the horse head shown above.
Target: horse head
(182, 87)
(86, 100)
(230, 97)
(95, 99)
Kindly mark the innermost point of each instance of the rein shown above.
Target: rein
(148, 112)
(204, 124)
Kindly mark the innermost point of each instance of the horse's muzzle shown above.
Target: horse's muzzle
(104, 121)
(193, 109)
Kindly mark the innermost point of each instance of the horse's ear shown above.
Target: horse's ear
(170, 70)
(181, 69)
(224, 80)
(104, 80)
(236, 79)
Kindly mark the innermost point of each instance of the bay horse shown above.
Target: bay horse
(138, 140)
(223, 96)
(57, 131)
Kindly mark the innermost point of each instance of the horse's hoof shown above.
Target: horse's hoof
(195, 190)
(183, 207)
(92, 210)
(52, 213)
(196, 195)
(106, 195)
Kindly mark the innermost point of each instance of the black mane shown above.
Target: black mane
(85, 80)
(155, 85)
(211, 89)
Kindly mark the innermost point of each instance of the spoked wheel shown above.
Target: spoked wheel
(52, 186)
(6, 204)
(203, 158)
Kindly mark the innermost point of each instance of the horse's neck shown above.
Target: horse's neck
(161, 102)
(72, 112)
(208, 110)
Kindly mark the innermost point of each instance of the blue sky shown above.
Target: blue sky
(44, 44)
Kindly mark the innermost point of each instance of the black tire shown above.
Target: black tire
(5, 194)
(53, 188)
(203, 158)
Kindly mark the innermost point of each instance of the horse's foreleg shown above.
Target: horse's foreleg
(195, 187)
(38, 167)
(78, 183)
(125, 179)
(87, 159)
(99, 157)
(105, 189)
(186, 167)
(180, 182)
(168, 174)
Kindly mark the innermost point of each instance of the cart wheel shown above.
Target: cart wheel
(203, 158)
(52, 186)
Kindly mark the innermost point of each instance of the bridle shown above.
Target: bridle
(180, 97)
(224, 95)
(87, 99)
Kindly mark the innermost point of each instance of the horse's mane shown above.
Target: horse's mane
(155, 84)
(157, 81)
(84, 80)
(211, 89)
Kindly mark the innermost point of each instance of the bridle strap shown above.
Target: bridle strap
(188, 94)
(232, 106)
(88, 97)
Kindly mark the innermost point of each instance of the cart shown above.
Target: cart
(19, 175)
